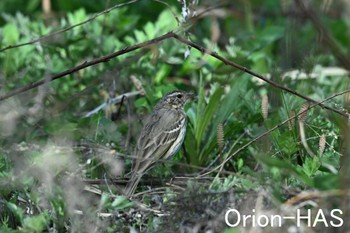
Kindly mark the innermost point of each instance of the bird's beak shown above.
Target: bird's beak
(191, 95)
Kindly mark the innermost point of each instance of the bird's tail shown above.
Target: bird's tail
(132, 184)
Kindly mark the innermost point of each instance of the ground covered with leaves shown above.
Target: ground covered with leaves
(268, 135)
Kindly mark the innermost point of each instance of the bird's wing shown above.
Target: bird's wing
(158, 135)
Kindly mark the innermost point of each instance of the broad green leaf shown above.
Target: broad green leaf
(17, 211)
(200, 107)
(232, 101)
(191, 146)
(150, 30)
(10, 34)
(166, 22)
(271, 33)
(140, 36)
(121, 202)
(209, 111)
(77, 17)
(162, 73)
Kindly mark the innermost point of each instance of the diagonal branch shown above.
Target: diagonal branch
(155, 41)
(244, 69)
(86, 64)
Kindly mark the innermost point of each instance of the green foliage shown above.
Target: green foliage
(46, 143)
(36, 223)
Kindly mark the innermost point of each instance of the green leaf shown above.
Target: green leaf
(311, 165)
(191, 146)
(209, 113)
(104, 199)
(327, 182)
(33, 5)
(165, 22)
(205, 118)
(286, 142)
(162, 73)
(10, 34)
(271, 33)
(77, 17)
(200, 106)
(121, 202)
(140, 36)
(17, 211)
(36, 223)
(232, 101)
(150, 30)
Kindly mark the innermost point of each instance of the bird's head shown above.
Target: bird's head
(177, 99)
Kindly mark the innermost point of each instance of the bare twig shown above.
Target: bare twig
(301, 121)
(229, 152)
(115, 100)
(180, 181)
(69, 28)
(303, 139)
(128, 136)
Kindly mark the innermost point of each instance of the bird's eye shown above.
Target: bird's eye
(179, 96)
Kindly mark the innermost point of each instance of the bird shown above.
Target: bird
(161, 136)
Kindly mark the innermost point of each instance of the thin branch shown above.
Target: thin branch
(152, 181)
(246, 70)
(155, 41)
(115, 100)
(171, 10)
(272, 129)
(69, 28)
(325, 36)
(87, 64)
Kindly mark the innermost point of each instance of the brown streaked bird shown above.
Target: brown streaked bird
(161, 136)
